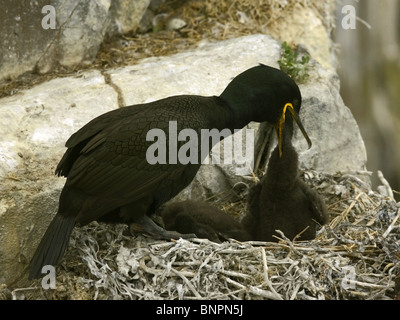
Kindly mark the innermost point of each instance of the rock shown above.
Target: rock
(175, 24)
(159, 21)
(126, 16)
(36, 123)
(337, 142)
(313, 27)
(34, 126)
(205, 70)
(146, 23)
(20, 25)
(83, 26)
(31, 41)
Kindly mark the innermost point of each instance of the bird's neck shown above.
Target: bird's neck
(287, 131)
(230, 119)
(283, 169)
(242, 104)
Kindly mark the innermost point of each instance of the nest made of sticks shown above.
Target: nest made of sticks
(355, 256)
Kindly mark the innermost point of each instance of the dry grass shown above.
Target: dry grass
(356, 256)
(210, 20)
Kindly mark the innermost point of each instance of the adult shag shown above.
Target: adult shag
(109, 177)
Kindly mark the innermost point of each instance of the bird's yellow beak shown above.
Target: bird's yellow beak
(281, 123)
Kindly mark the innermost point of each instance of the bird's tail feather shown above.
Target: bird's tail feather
(52, 246)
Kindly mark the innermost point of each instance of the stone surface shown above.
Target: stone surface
(308, 26)
(337, 142)
(36, 123)
(126, 16)
(20, 25)
(27, 44)
(34, 126)
(82, 26)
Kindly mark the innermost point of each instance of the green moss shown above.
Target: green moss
(295, 66)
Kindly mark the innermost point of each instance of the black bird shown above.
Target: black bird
(109, 177)
(282, 201)
(202, 219)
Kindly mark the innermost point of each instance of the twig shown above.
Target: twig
(390, 228)
(266, 278)
(335, 222)
(301, 232)
(188, 283)
(263, 293)
(387, 189)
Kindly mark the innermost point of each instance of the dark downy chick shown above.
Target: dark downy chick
(109, 175)
(282, 201)
(202, 219)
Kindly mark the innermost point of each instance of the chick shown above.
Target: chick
(282, 201)
(202, 219)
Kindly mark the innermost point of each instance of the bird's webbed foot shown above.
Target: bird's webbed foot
(146, 224)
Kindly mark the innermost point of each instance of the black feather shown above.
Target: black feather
(53, 245)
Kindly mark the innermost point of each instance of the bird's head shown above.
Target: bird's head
(289, 109)
(263, 93)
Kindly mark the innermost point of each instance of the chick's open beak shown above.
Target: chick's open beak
(280, 125)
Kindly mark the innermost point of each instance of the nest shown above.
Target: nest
(355, 256)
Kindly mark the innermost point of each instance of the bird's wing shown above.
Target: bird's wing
(90, 134)
(114, 160)
(107, 157)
